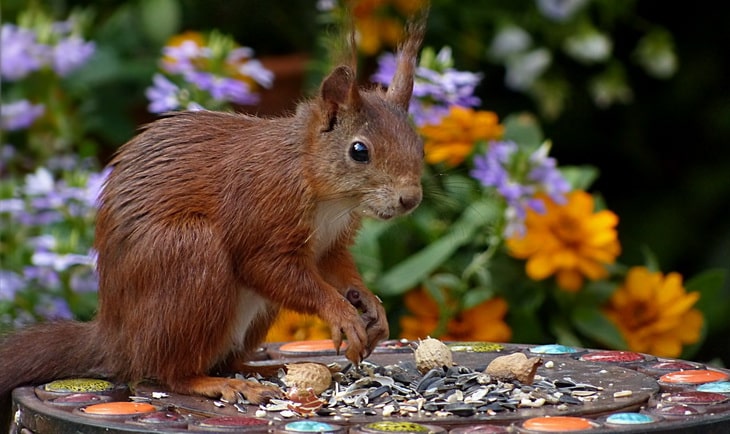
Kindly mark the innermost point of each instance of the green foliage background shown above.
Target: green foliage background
(664, 158)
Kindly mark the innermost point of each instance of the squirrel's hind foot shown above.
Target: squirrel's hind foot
(227, 389)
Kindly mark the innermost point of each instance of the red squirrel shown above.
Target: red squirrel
(211, 222)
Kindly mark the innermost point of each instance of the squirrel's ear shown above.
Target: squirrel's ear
(401, 87)
(339, 90)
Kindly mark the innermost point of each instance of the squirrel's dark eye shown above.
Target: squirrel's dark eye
(359, 152)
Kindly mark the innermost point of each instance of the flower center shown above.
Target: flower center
(639, 315)
(568, 230)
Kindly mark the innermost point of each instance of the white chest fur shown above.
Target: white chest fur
(330, 219)
(250, 306)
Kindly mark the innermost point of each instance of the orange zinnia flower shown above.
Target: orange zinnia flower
(452, 140)
(483, 322)
(570, 241)
(654, 313)
(295, 326)
(376, 27)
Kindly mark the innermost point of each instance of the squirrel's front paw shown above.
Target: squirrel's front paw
(344, 320)
(372, 314)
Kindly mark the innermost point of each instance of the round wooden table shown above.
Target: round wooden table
(629, 392)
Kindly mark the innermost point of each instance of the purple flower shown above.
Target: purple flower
(20, 54)
(19, 114)
(45, 277)
(229, 89)
(500, 168)
(194, 106)
(63, 28)
(52, 201)
(12, 206)
(220, 69)
(434, 89)
(10, 283)
(54, 308)
(239, 54)
(182, 57)
(43, 242)
(223, 89)
(492, 170)
(254, 69)
(7, 153)
(39, 218)
(163, 95)
(85, 281)
(94, 187)
(70, 53)
(386, 69)
(63, 163)
(45, 201)
(544, 172)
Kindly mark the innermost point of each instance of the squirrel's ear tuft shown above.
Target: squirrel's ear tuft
(339, 90)
(401, 87)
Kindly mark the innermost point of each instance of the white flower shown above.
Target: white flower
(524, 69)
(39, 183)
(590, 47)
(61, 262)
(559, 10)
(508, 41)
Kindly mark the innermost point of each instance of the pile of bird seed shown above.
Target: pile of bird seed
(369, 389)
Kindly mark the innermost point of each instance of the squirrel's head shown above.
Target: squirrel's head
(365, 146)
(366, 149)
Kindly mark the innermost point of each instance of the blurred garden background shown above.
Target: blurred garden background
(577, 181)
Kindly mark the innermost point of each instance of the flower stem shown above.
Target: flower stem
(481, 260)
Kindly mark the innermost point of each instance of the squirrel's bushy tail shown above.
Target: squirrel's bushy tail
(45, 352)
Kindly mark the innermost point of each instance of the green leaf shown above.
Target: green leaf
(476, 296)
(564, 334)
(525, 296)
(366, 249)
(710, 285)
(523, 129)
(410, 272)
(650, 259)
(438, 290)
(707, 282)
(593, 323)
(526, 327)
(160, 19)
(580, 177)
(446, 280)
(596, 292)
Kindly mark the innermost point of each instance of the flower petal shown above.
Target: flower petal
(540, 266)
(570, 280)
(666, 345)
(654, 313)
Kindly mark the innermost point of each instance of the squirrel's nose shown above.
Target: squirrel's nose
(410, 200)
